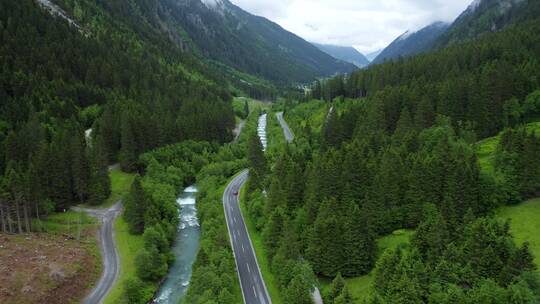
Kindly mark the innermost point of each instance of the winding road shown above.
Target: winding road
(286, 130)
(111, 261)
(251, 281)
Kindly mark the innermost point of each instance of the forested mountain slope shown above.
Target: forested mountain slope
(345, 53)
(476, 84)
(224, 32)
(480, 18)
(403, 152)
(412, 43)
(486, 16)
(135, 89)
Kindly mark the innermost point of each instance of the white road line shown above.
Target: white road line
(243, 249)
(254, 293)
(249, 270)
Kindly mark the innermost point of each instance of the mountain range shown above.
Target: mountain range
(345, 53)
(371, 56)
(412, 43)
(223, 32)
(480, 17)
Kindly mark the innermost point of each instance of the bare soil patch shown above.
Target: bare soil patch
(47, 268)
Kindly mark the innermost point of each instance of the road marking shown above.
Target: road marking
(254, 293)
(243, 249)
(249, 270)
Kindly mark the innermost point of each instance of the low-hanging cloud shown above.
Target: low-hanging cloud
(366, 24)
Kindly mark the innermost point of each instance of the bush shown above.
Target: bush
(134, 291)
(150, 264)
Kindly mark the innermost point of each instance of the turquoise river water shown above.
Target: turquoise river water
(184, 249)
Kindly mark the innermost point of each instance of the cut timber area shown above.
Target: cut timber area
(46, 268)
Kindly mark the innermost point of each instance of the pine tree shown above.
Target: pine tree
(345, 297)
(326, 241)
(100, 183)
(425, 115)
(404, 125)
(246, 109)
(128, 152)
(257, 163)
(80, 167)
(298, 291)
(272, 233)
(360, 248)
(337, 287)
(135, 207)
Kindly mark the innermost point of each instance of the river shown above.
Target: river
(184, 249)
(261, 130)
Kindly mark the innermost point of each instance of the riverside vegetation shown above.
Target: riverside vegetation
(394, 147)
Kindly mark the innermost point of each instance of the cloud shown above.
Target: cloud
(366, 24)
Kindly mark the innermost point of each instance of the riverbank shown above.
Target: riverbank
(184, 249)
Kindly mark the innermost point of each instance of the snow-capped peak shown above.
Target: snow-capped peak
(474, 5)
(212, 3)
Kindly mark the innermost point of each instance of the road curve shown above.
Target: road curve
(286, 130)
(111, 261)
(251, 281)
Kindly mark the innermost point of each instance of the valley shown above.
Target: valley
(204, 152)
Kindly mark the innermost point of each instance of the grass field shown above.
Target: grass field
(525, 224)
(260, 252)
(128, 245)
(120, 185)
(68, 223)
(360, 286)
(524, 217)
(485, 149)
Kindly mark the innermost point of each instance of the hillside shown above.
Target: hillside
(485, 16)
(128, 83)
(345, 53)
(412, 43)
(221, 31)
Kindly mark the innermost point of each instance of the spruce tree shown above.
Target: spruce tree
(272, 233)
(256, 162)
(135, 207)
(128, 152)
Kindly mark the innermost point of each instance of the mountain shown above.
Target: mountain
(412, 43)
(222, 32)
(371, 56)
(484, 16)
(345, 53)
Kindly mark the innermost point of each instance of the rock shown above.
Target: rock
(27, 289)
(56, 272)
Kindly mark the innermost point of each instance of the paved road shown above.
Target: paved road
(286, 131)
(111, 262)
(253, 287)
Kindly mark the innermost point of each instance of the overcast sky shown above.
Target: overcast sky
(368, 25)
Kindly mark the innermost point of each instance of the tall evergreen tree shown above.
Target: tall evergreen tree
(256, 162)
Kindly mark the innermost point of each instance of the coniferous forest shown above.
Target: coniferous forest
(402, 155)
(429, 149)
(58, 82)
